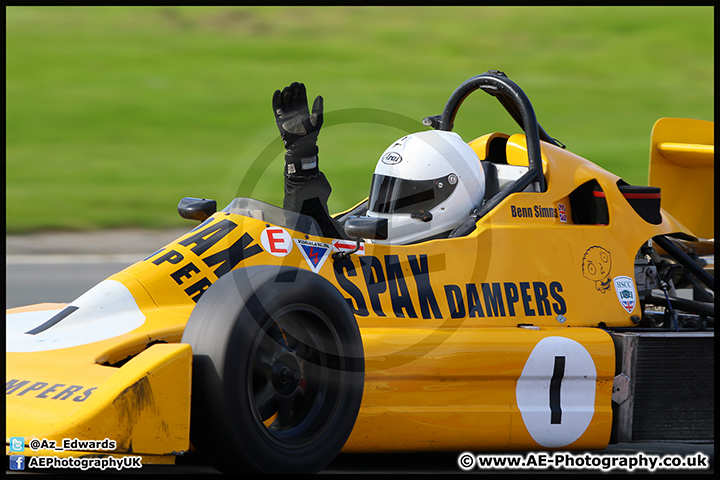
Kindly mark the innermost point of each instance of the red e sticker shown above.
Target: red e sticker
(276, 241)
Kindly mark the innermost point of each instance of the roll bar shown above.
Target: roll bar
(517, 104)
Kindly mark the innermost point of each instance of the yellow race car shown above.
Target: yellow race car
(569, 311)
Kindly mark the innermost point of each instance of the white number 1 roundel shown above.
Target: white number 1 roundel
(556, 391)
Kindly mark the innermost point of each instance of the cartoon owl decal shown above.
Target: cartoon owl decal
(596, 266)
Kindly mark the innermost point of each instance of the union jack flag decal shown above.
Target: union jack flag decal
(562, 213)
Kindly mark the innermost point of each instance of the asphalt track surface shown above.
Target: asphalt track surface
(60, 266)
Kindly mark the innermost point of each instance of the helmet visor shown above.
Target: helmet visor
(397, 195)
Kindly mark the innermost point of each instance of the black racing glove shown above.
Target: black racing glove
(299, 129)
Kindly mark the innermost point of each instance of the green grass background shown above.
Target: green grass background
(115, 113)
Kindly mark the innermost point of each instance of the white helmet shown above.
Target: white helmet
(425, 184)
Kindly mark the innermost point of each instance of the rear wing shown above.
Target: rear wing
(682, 164)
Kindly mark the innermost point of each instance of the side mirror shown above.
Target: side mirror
(196, 208)
(367, 227)
(363, 228)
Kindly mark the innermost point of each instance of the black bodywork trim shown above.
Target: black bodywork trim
(57, 318)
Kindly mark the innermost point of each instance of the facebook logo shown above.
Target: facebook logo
(17, 462)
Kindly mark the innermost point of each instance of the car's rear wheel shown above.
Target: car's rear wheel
(278, 371)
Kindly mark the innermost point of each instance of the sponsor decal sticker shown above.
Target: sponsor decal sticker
(276, 241)
(391, 158)
(625, 289)
(193, 248)
(315, 253)
(347, 246)
(406, 281)
(49, 390)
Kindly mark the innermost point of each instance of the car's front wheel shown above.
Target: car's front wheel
(278, 371)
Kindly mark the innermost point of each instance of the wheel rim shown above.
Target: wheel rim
(295, 376)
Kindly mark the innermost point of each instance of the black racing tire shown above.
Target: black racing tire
(278, 371)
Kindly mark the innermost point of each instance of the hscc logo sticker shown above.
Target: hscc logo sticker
(625, 289)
